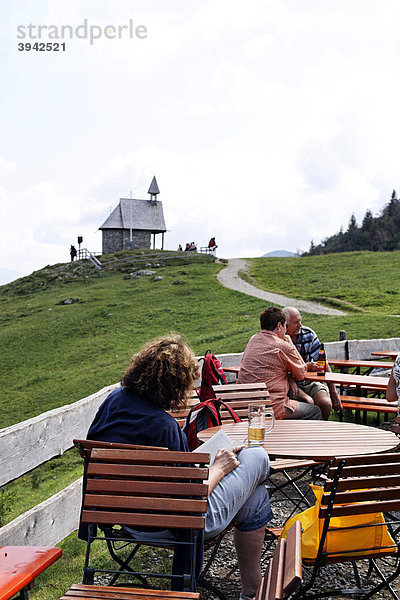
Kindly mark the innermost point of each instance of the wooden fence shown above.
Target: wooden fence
(29, 444)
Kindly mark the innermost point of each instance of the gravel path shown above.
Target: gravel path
(229, 278)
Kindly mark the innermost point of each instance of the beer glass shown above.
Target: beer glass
(260, 423)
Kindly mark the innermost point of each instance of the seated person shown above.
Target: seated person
(271, 358)
(307, 343)
(159, 378)
(393, 388)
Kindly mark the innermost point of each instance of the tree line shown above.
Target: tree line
(381, 233)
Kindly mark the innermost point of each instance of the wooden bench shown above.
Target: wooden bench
(19, 565)
(360, 404)
(284, 571)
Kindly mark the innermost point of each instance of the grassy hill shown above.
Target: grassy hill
(55, 353)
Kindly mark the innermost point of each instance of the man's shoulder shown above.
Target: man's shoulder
(307, 332)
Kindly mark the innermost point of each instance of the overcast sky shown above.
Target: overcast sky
(266, 122)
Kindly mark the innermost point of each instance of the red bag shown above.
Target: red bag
(211, 374)
(202, 416)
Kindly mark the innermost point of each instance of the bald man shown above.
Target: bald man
(307, 343)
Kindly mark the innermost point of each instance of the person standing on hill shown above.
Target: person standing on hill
(72, 253)
(308, 345)
(271, 358)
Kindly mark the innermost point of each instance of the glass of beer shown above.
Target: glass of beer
(260, 423)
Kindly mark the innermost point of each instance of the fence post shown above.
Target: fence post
(343, 338)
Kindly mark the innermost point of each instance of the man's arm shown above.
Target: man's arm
(294, 363)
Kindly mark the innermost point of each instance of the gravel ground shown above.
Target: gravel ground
(229, 278)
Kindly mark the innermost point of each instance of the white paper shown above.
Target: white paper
(216, 442)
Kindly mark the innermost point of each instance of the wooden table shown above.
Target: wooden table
(388, 353)
(348, 379)
(357, 365)
(316, 440)
(340, 363)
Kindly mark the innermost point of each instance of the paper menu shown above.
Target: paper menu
(218, 441)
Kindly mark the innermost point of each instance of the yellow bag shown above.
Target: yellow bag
(338, 541)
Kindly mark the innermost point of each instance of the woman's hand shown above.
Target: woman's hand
(225, 461)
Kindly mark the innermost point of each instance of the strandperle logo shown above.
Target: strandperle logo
(85, 31)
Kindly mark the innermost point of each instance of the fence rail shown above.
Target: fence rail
(27, 445)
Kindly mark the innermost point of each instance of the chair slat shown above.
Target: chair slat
(275, 589)
(367, 482)
(369, 470)
(293, 563)
(390, 457)
(145, 487)
(244, 395)
(143, 520)
(387, 493)
(143, 503)
(152, 457)
(362, 508)
(148, 471)
(87, 592)
(233, 387)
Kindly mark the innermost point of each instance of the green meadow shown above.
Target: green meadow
(54, 354)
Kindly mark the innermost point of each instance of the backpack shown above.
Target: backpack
(212, 374)
(203, 415)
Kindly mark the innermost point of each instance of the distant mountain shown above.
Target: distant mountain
(7, 275)
(279, 253)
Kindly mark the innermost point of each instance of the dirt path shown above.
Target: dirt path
(229, 278)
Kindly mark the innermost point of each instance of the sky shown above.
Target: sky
(267, 123)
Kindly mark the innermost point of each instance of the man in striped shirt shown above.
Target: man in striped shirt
(270, 357)
(307, 343)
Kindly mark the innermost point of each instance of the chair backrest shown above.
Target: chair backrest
(239, 395)
(358, 486)
(284, 571)
(372, 481)
(141, 488)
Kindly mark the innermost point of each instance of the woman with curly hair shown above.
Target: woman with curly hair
(159, 378)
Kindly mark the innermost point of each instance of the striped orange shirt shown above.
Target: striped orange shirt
(269, 358)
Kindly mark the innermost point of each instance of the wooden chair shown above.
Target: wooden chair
(148, 492)
(358, 485)
(284, 571)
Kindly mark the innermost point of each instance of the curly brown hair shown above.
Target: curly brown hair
(163, 372)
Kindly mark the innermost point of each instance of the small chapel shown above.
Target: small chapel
(133, 223)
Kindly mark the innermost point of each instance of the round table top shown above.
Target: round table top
(317, 440)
